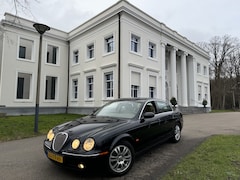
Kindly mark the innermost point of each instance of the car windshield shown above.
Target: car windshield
(120, 109)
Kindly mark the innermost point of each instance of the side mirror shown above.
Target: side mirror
(148, 115)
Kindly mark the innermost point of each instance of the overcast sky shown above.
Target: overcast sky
(197, 20)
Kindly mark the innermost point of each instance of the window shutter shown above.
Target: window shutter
(152, 81)
(136, 79)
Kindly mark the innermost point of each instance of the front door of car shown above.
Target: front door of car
(149, 124)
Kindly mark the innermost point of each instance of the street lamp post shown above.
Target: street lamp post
(41, 29)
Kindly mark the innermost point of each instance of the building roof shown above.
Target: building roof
(122, 6)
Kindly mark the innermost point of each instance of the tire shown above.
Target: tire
(176, 133)
(121, 158)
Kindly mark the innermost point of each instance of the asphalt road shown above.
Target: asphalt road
(24, 159)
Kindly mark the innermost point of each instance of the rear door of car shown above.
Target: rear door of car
(165, 117)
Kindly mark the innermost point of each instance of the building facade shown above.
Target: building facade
(122, 52)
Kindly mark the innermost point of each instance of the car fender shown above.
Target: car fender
(126, 136)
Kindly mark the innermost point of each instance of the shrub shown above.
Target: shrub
(204, 103)
(173, 101)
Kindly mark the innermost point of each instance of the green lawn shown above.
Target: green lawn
(216, 158)
(18, 127)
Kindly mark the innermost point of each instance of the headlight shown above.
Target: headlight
(88, 144)
(75, 143)
(50, 135)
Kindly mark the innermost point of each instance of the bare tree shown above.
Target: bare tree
(21, 6)
(222, 63)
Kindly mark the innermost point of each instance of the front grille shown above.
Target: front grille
(59, 141)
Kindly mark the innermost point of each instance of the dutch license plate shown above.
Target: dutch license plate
(55, 157)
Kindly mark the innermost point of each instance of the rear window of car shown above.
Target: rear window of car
(163, 107)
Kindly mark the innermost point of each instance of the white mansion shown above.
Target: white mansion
(120, 53)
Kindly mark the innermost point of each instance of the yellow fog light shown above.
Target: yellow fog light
(75, 143)
(81, 166)
(50, 135)
(88, 144)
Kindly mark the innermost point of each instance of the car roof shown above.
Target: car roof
(138, 99)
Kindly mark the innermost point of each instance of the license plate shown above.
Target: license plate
(55, 157)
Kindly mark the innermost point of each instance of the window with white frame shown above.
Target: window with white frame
(89, 86)
(109, 44)
(134, 91)
(90, 51)
(152, 91)
(151, 50)
(50, 89)
(205, 92)
(199, 93)
(75, 57)
(74, 89)
(198, 68)
(205, 70)
(24, 81)
(135, 43)
(25, 49)
(52, 54)
(135, 84)
(152, 86)
(108, 84)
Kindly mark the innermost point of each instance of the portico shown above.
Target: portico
(179, 72)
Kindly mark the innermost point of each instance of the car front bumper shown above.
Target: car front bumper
(75, 161)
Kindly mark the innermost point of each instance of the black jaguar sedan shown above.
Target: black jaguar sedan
(113, 134)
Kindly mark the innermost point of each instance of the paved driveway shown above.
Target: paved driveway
(24, 159)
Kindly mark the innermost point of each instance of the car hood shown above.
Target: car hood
(91, 126)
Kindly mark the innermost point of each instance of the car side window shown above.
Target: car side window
(163, 107)
(150, 107)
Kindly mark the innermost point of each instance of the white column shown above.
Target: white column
(184, 79)
(173, 73)
(163, 58)
(192, 70)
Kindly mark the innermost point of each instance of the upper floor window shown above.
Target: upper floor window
(109, 84)
(198, 68)
(205, 70)
(152, 50)
(25, 49)
(109, 44)
(75, 57)
(52, 54)
(90, 51)
(135, 43)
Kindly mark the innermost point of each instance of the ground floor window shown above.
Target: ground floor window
(23, 85)
(134, 91)
(90, 87)
(50, 89)
(109, 84)
(199, 92)
(151, 92)
(74, 89)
